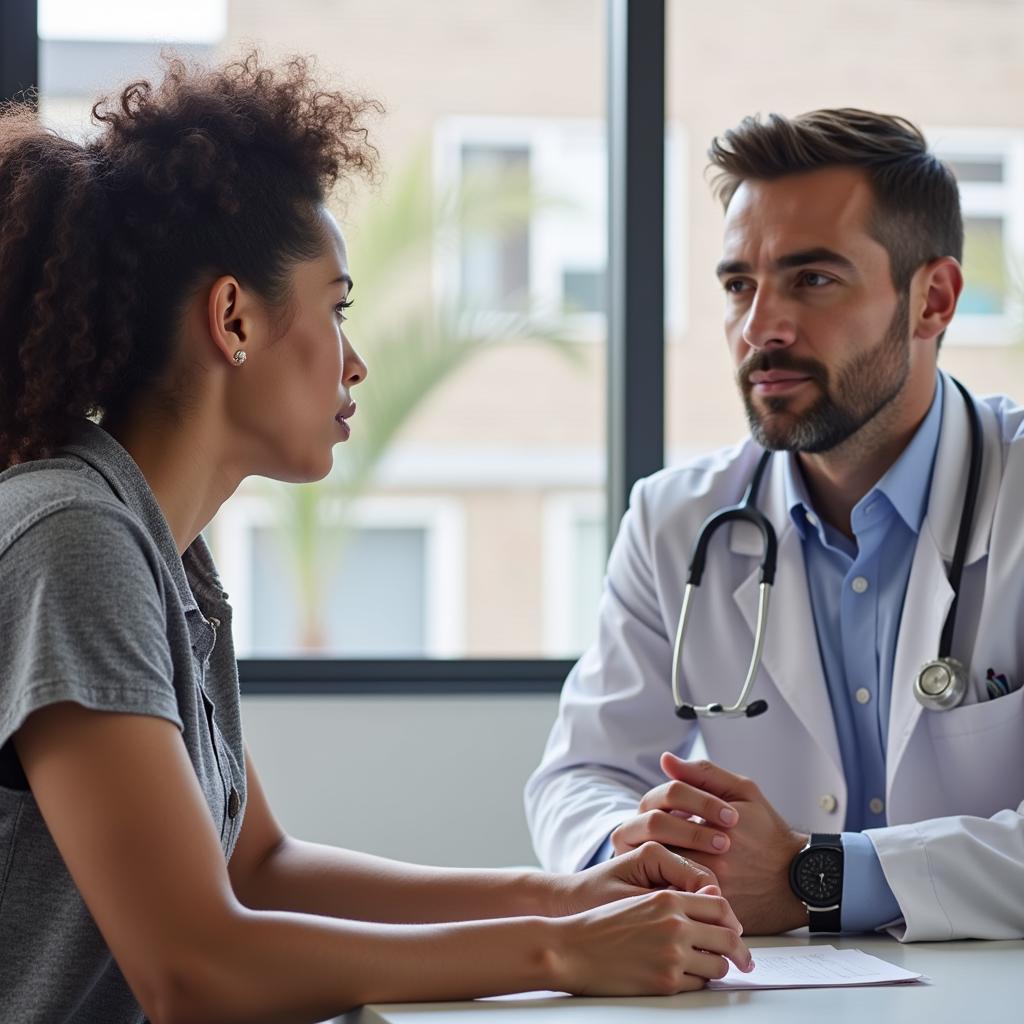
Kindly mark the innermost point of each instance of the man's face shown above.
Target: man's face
(819, 336)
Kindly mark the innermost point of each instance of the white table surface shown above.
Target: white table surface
(967, 983)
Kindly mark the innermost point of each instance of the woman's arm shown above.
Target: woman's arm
(122, 803)
(272, 871)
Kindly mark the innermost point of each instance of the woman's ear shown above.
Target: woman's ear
(229, 318)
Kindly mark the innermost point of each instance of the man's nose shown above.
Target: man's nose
(769, 322)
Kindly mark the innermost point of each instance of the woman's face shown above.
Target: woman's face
(295, 402)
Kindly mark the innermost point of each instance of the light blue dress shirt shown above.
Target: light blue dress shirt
(857, 589)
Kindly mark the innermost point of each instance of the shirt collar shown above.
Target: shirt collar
(907, 481)
(193, 572)
(905, 484)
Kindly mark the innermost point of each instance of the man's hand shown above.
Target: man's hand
(640, 871)
(677, 814)
(754, 872)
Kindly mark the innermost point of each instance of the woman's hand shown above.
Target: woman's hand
(656, 944)
(647, 867)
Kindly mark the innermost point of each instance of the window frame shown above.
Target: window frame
(542, 139)
(636, 310)
(1003, 200)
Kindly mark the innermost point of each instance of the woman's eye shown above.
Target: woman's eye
(339, 311)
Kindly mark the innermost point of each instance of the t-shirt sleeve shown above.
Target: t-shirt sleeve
(83, 618)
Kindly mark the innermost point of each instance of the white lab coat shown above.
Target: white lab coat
(953, 849)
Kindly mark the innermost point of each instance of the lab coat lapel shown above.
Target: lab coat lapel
(925, 605)
(929, 594)
(791, 656)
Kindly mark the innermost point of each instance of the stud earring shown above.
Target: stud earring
(239, 357)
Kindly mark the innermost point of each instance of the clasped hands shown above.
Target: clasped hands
(722, 821)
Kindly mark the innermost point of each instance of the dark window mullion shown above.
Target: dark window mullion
(636, 247)
(19, 47)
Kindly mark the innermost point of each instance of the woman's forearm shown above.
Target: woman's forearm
(313, 879)
(272, 966)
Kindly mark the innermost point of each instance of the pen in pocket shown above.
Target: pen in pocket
(997, 684)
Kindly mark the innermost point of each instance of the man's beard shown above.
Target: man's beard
(862, 388)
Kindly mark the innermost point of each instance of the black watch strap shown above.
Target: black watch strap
(826, 920)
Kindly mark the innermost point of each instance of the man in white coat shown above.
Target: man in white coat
(848, 804)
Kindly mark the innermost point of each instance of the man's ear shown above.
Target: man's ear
(938, 289)
(228, 318)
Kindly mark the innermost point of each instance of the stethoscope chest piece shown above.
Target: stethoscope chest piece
(941, 684)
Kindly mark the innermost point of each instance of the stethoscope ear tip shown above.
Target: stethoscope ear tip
(757, 707)
(687, 711)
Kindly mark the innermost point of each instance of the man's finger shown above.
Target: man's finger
(669, 830)
(681, 796)
(707, 776)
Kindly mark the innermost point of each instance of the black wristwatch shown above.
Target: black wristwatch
(816, 876)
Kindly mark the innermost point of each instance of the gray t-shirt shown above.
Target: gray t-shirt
(96, 607)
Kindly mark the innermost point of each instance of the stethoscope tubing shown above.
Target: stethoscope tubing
(747, 511)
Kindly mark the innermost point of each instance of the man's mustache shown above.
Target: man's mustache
(760, 361)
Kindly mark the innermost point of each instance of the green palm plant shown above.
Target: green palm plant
(413, 344)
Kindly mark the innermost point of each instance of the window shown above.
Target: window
(989, 167)
(555, 259)
(479, 261)
(495, 257)
(763, 61)
(86, 50)
(574, 542)
(403, 554)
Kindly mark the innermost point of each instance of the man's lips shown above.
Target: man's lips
(773, 382)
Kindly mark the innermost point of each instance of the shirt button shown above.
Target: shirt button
(827, 803)
(863, 695)
(811, 518)
(234, 803)
(859, 584)
(876, 806)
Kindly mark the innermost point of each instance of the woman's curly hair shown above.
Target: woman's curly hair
(212, 171)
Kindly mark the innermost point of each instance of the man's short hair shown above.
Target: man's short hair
(916, 214)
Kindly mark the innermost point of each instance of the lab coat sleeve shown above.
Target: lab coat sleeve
(615, 715)
(956, 878)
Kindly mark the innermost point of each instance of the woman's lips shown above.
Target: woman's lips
(341, 418)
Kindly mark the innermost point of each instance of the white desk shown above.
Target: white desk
(968, 983)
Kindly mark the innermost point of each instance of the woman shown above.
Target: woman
(180, 280)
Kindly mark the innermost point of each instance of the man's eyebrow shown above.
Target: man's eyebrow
(344, 279)
(732, 267)
(790, 261)
(817, 255)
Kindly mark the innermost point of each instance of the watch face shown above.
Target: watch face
(818, 877)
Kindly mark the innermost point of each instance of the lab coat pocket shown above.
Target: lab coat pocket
(990, 732)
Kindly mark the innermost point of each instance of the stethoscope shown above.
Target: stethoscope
(941, 684)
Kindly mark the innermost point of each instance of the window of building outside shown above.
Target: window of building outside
(894, 58)
(479, 259)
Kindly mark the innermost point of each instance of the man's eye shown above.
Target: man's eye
(815, 280)
(736, 285)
